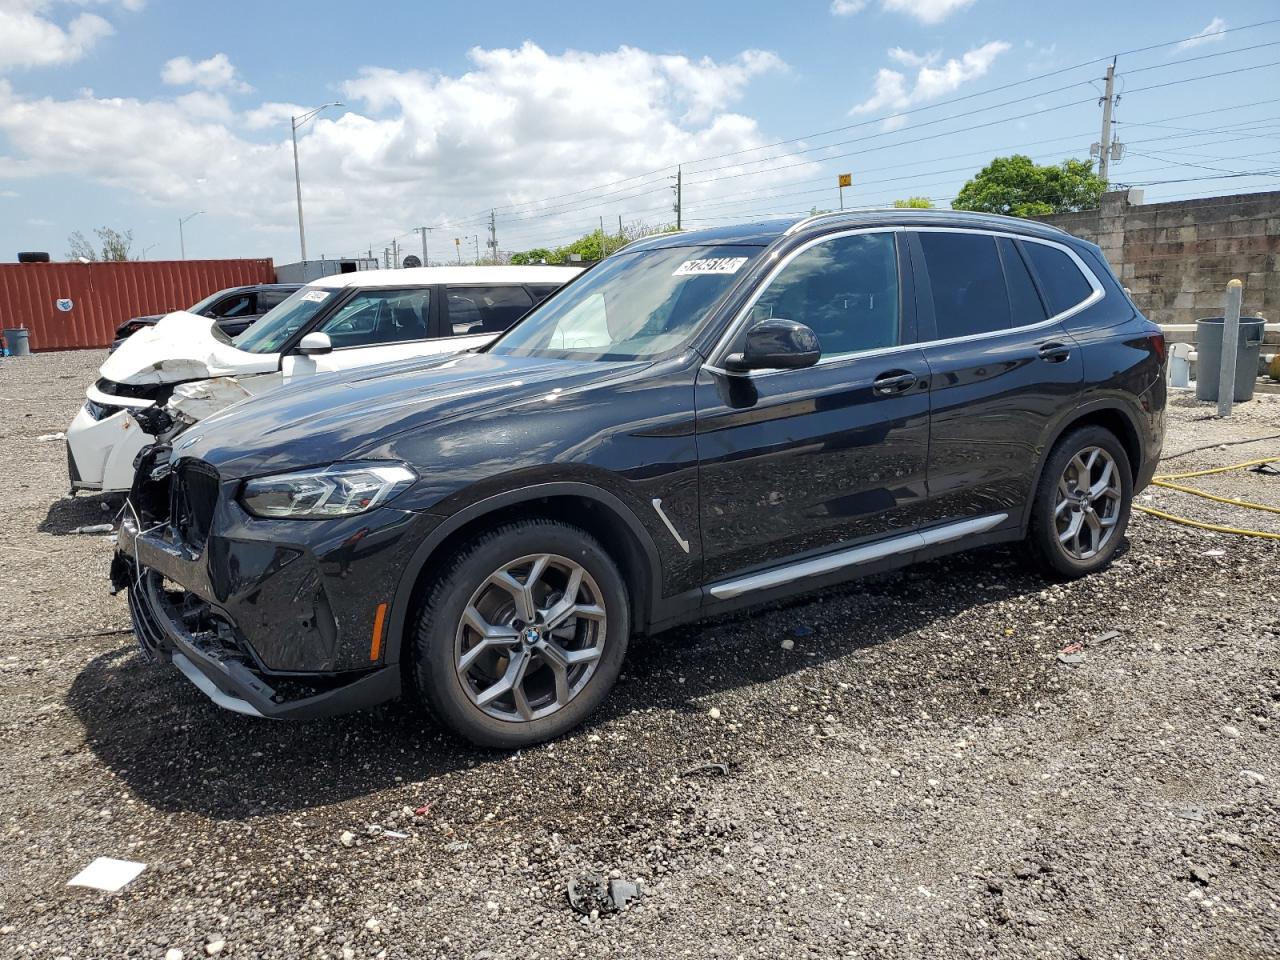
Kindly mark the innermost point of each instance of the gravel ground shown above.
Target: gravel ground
(909, 769)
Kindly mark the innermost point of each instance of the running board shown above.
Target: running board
(907, 543)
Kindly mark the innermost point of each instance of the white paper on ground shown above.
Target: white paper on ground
(107, 874)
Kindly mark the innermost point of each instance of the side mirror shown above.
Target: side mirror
(776, 344)
(315, 344)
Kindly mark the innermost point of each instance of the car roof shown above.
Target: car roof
(413, 276)
(764, 232)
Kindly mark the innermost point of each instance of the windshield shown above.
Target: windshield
(277, 325)
(633, 306)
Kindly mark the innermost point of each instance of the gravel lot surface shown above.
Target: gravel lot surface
(910, 770)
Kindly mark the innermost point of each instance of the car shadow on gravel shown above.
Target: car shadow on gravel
(178, 752)
(68, 514)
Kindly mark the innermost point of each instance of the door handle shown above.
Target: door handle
(888, 384)
(1055, 352)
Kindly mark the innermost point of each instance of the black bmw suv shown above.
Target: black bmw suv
(703, 421)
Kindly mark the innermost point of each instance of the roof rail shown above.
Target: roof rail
(961, 214)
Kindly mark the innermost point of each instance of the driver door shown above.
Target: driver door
(374, 326)
(793, 462)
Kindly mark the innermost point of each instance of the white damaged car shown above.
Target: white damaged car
(184, 368)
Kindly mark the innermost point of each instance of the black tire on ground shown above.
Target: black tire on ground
(431, 662)
(1044, 545)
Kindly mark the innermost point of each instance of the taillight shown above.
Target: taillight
(1157, 346)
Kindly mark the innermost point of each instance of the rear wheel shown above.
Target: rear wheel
(1082, 504)
(523, 636)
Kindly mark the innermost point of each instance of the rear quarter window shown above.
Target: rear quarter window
(1061, 281)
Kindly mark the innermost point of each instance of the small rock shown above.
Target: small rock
(1227, 730)
(1254, 777)
(714, 713)
(788, 644)
(372, 925)
(215, 947)
(347, 839)
(173, 953)
(348, 954)
(1201, 875)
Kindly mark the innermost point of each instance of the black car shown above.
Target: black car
(235, 309)
(703, 421)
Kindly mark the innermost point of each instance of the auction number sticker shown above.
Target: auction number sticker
(710, 265)
(316, 296)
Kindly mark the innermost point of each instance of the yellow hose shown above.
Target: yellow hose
(1162, 481)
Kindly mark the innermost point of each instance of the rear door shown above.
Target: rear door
(474, 315)
(1001, 368)
(793, 462)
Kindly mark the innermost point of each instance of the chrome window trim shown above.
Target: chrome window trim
(718, 351)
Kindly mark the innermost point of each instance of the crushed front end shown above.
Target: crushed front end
(271, 618)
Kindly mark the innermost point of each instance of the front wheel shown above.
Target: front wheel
(1081, 504)
(523, 636)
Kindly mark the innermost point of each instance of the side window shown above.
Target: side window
(541, 291)
(373, 317)
(475, 310)
(241, 305)
(845, 289)
(270, 299)
(1023, 298)
(1063, 284)
(965, 276)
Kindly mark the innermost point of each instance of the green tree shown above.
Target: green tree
(115, 245)
(536, 255)
(914, 203)
(1017, 187)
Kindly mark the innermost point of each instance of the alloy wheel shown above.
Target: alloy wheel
(1089, 501)
(530, 637)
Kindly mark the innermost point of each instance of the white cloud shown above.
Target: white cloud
(413, 147)
(29, 37)
(215, 73)
(1212, 33)
(926, 11)
(894, 92)
(909, 58)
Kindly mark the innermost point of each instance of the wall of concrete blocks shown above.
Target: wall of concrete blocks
(1177, 257)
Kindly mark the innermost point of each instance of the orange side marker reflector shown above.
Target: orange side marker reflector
(375, 648)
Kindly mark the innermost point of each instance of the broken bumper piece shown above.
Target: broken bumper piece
(227, 675)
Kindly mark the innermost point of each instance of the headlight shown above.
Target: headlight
(338, 491)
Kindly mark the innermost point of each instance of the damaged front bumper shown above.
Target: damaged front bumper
(267, 618)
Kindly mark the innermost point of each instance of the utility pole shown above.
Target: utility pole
(493, 237)
(386, 258)
(422, 231)
(395, 253)
(1104, 145)
(678, 188)
(294, 124)
(182, 240)
(475, 241)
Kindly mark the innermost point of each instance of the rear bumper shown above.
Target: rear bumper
(231, 682)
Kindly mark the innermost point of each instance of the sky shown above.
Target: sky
(133, 114)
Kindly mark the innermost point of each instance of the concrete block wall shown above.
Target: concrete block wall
(1177, 257)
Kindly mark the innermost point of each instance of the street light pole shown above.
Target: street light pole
(294, 124)
(182, 240)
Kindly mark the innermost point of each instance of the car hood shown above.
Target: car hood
(323, 419)
(181, 346)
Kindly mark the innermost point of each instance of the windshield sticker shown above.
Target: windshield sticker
(711, 265)
(316, 296)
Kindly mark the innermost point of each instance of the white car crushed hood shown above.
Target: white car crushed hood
(181, 347)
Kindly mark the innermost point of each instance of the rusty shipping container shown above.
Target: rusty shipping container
(74, 305)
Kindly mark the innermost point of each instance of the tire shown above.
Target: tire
(1061, 500)
(458, 673)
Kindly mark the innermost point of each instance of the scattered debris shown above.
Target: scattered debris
(802, 631)
(594, 894)
(50, 437)
(1072, 655)
(423, 810)
(95, 528)
(106, 873)
(1102, 638)
(1254, 777)
(1214, 553)
(395, 834)
(1195, 814)
(720, 768)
